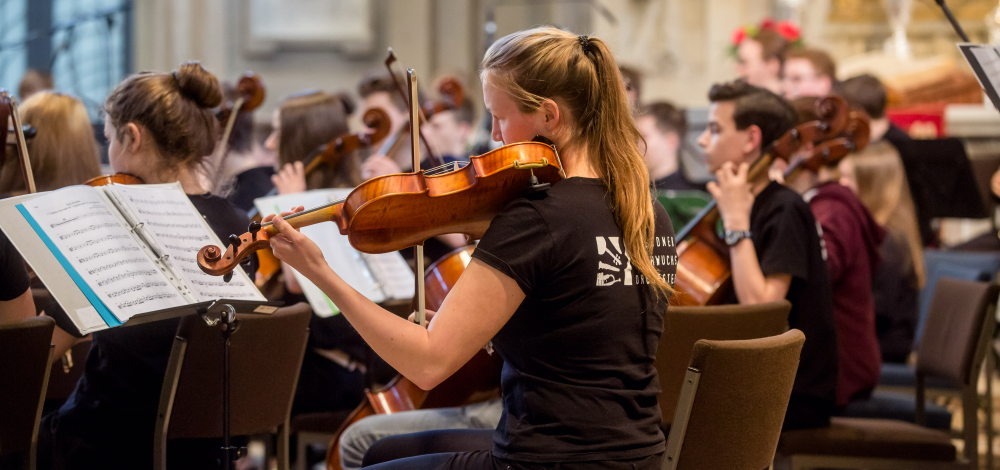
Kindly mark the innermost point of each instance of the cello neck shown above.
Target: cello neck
(709, 215)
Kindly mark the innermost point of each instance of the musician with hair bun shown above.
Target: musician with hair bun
(160, 128)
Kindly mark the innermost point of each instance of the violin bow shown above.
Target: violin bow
(410, 100)
(411, 76)
(8, 107)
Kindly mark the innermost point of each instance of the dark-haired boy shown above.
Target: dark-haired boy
(774, 240)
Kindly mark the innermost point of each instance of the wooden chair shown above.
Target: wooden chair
(955, 342)
(25, 353)
(684, 326)
(732, 403)
(265, 358)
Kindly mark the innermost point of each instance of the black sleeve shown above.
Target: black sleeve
(518, 244)
(783, 242)
(15, 277)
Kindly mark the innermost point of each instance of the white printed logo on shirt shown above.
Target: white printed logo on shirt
(618, 267)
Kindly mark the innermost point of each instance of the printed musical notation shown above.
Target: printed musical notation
(96, 241)
(174, 224)
(103, 252)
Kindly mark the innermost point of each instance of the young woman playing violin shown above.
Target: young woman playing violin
(160, 127)
(570, 284)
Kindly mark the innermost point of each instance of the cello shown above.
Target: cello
(703, 270)
(477, 381)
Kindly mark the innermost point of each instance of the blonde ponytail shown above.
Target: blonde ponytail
(581, 72)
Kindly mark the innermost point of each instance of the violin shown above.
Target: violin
(703, 270)
(117, 178)
(392, 212)
(452, 96)
(375, 119)
(476, 381)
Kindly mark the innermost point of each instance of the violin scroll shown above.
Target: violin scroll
(251, 88)
(378, 121)
(452, 96)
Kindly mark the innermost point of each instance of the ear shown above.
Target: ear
(753, 142)
(132, 138)
(549, 113)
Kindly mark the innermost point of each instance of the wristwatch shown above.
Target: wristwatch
(733, 237)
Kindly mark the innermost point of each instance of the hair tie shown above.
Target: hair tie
(584, 42)
(174, 74)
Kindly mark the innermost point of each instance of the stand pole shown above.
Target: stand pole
(953, 20)
(230, 454)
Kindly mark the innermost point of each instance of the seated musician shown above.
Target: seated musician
(663, 127)
(247, 167)
(851, 238)
(63, 151)
(808, 72)
(155, 124)
(876, 174)
(759, 57)
(304, 122)
(449, 132)
(564, 281)
(332, 376)
(869, 94)
(774, 240)
(16, 302)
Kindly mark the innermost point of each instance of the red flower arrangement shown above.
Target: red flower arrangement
(787, 29)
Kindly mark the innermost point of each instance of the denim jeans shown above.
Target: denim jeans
(361, 435)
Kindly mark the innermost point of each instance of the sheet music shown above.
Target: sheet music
(179, 231)
(99, 246)
(377, 277)
(397, 281)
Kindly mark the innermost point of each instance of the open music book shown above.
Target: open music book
(130, 250)
(378, 277)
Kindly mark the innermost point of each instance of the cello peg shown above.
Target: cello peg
(235, 241)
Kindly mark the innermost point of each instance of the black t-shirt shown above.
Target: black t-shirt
(578, 377)
(250, 185)
(787, 240)
(15, 277)
(115, 402)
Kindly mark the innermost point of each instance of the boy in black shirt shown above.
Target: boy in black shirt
(775, 246)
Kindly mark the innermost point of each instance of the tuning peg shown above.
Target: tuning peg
(253, 229)
(235, 241)
(228, 276)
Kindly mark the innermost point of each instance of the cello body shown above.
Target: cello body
(478, 380)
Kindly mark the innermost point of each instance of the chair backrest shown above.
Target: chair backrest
(733, 403)
(684, 326)
(25, 352)
(953, 264)
(958, 314)
(266, 354)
